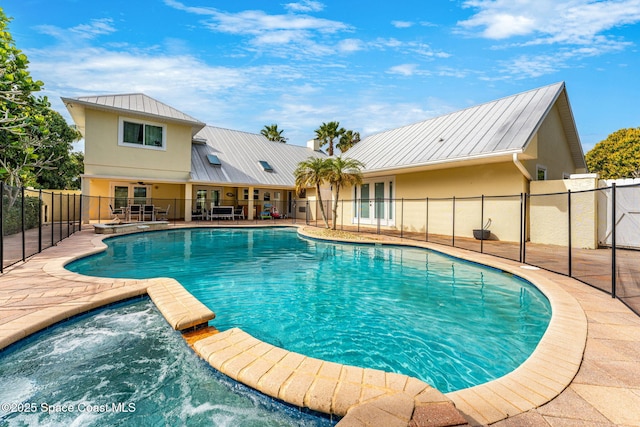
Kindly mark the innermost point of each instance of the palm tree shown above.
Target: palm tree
(313, 173)
(327, 133)
(348, 139)
(342, 172)
(272, 133)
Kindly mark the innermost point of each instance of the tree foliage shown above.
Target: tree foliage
(348, 139)
(16, 84)
(34, 139)
(313, 172)
(340, 173)
(272, 133)
(618, 156)
(328, 132)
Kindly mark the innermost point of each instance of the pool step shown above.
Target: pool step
(191, 337)
(364, 397)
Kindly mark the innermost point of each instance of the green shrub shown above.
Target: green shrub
(12, 215)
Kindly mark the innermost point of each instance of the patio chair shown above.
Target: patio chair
(163, 214)
(198, 214)
(238, 213)
(134, 211)
(115, 213)
(266, 211)
(148, 211)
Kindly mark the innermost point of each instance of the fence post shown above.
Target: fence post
(453, 227)
(1, 227)
(39, 220)
(68, 214)
(482, 224)
(24, 231)
(402, 218)
(80, 211)
(376, 213)
(426, 225)
(73, 224)
(306, 214)
(99, 208)
(523, 225)
(569, 229)
(613, 240)
(342, 215)
(60, 217)
(53, 211)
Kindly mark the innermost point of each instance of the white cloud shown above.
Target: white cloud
(350, 45)
(402, 24)
(404, 69)
(95, 28)
(305, 6)
(292, 35)
(577, 22)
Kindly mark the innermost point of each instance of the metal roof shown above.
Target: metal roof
(492, 129)
(134, 103)
(240, 154)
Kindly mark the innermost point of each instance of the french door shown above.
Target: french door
(130, 194)
(374, 202)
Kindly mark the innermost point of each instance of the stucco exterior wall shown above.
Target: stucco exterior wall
(550, 149)
(549, 217)
(497, 179)
(411, 209)
(96, 206)
(104, 157)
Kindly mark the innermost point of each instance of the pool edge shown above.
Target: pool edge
(534, 383)
(550, 368)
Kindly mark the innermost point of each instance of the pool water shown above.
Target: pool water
(125, 366)
(451, 323)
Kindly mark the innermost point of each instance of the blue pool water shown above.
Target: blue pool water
(122, 366)
(448, 322)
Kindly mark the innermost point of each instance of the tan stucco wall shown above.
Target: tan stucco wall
(496, 179)
(550, 149)
(99, 190)
(549, 213)
(104, 157)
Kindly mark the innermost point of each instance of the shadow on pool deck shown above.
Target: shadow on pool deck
(605, 391)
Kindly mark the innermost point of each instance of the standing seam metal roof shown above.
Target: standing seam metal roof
(503, 126)
(240, 153)
(136, 103)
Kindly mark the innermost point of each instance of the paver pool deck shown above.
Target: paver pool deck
(585, 372)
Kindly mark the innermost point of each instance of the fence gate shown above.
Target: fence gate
(627, 213)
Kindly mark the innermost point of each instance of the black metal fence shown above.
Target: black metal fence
(591, 235)
(574, 233)
(33, 220)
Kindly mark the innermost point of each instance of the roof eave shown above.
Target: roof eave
(196, 125)
(480, 159)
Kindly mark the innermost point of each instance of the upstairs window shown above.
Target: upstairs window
(541, 173)
(135, 133)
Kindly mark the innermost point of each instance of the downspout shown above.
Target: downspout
(521, 167)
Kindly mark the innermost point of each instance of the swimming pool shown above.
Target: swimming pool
(122, 365)
(448, 322)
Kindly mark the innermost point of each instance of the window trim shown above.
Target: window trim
(541, 168)
(123, 119)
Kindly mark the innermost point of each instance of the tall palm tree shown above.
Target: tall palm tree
(342, 172)
(313, 173)
(272, 133)
(348, 139)
(327, 133)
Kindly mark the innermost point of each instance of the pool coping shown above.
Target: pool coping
(547, 371)
(545, 374)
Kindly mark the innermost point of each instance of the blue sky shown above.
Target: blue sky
(371, 65)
